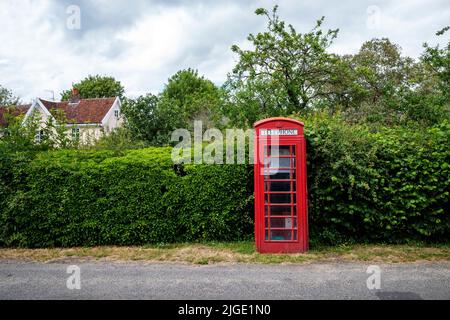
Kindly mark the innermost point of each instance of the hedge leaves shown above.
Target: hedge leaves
(365, 185)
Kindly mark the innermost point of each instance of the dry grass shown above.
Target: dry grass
(240, 252)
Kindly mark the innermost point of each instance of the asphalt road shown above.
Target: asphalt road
(112, 280)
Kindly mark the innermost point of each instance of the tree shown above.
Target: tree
(20, 133)
(437, 60)
(379, 77)
(188, 97)
(20, 136)
(429, 102)
(7, 98)
(285, 72)
(96, 87)
(141, 118)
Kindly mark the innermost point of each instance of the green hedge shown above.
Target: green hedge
(384, 185)
(365, 185)
(76, 198)
(212, 202)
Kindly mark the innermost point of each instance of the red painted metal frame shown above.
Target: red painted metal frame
(301, 243)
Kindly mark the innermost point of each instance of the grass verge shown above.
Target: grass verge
(234, 252)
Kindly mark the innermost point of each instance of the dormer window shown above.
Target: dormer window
(75, 133)
(39, 135)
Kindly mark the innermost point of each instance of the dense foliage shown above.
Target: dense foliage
(376, 122)
(186, 97)
(75, 198)
(389, 185)
(96, 87)
(285, 71)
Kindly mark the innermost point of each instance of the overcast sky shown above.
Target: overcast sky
(142, 43)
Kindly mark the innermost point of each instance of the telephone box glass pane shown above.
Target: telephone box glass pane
(285, 223)
(280, 210)
(280, 198)
(278, 186)
(280, 163)
(279, 150)
(277, 175)
(280, 235)
(280, 223)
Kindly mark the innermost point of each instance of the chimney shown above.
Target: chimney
(75, 98)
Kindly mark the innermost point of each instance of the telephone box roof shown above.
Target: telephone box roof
(261, 122)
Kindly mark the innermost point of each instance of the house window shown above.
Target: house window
(75, 133)
(39, 135)
(116, 114)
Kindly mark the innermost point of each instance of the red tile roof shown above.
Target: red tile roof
(85, 111)
(13, 111)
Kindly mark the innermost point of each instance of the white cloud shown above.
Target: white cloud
(143, 43)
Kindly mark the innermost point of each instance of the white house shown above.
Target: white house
(87, 119)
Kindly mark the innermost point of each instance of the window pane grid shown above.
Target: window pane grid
(280, 194)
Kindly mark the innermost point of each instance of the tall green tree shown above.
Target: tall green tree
(438, 60)
(96, 87)
(381, 85)
(142, 119)
(188, 97)
(431, 100)
(285, 71)
(378, 79)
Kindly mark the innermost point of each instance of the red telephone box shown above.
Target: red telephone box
(281, 218)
